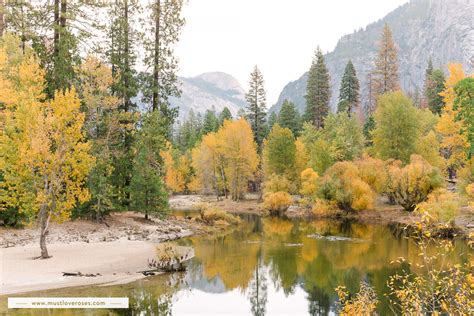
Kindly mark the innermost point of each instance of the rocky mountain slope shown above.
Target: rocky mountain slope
(442, 29)
(207, 91)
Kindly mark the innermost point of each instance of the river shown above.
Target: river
(267, 266)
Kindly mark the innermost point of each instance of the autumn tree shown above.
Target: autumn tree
(47, 157)
(318, 91)
(349, 90)
(208, 164)
(289, 117)
(454, 144)
(385, 76)
(396, 127)
(102, 125)
(148, 192)
(165, 23)
(239, 151)
(256, 106)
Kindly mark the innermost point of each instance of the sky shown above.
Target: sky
(279, 36)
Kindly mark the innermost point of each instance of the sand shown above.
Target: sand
(118, 262)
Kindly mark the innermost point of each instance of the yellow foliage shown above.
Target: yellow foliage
(277, 183)
(277, 202)
(309, 185)
(236, 144)
(362, 303)
(454, 144)
(212, 215)
(411, 184)
(428, 147)
(373, 172)
(208, 165)
(324, 208)
(341, 183)
(470, 194)
(178, 172)
(441, 206)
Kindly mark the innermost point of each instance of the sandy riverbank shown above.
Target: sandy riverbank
(117, 262)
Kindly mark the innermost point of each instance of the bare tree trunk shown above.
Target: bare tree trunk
(45, 216)
(2, 17)
(156, 57)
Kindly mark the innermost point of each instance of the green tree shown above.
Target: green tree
(385, 75)
(272, 120)
(210, 122)
(289, 117)
(318, 91)
(224, 115)
(349, 91)
(160, 79)
(434, 85)
(464, 104)
(397, 128)
(148, 192)
(279, 152)
(256, 106)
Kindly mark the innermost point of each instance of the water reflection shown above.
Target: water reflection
(269, 266)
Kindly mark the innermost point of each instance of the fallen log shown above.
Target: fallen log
(79, 274)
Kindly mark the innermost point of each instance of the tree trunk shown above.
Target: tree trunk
(126, 55)
(2, 17)
(45, 216)
(156, 59)
(56, 29)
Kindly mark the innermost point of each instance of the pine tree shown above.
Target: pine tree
(148, 192)
(318, 91)
(224, 115)
(210, 123)
(385, 75)
(256, 106)
(272, 120)
(349, 91)
(289, 117)
(434, 85)
(160, 77)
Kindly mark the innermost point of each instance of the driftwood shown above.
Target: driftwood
(79, 274)
(170, 259)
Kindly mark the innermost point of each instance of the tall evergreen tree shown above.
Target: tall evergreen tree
(349, 91)
(224, 115)
(160, 78)
(289, 117)
(385, 75)
(210, 122)
(318, 91)
(256, 106)
(272, 120)
(434, 85)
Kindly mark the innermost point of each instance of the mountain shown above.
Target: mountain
(442, 29)
(207, 91)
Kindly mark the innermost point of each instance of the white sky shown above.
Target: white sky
(280, 36)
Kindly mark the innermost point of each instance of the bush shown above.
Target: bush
(342, 185)
(277, 202)
(277, 183)
(324, 208)
(213, 215)
(362, 303)
(373, 172)
(470, 194)
(309, 179)
(411, 184)
(441, 206)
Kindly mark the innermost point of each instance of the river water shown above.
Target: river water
(267, 266)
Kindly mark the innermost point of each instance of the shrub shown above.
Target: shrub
(470, 194)
(277, 183)
(441, 206)
(277, 202)
(362, 303)
(324, 208)
(309, 179)
(373, 172)
(213, 215)
(411, 184)
(342, 184)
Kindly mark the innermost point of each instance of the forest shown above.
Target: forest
(87, 130)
